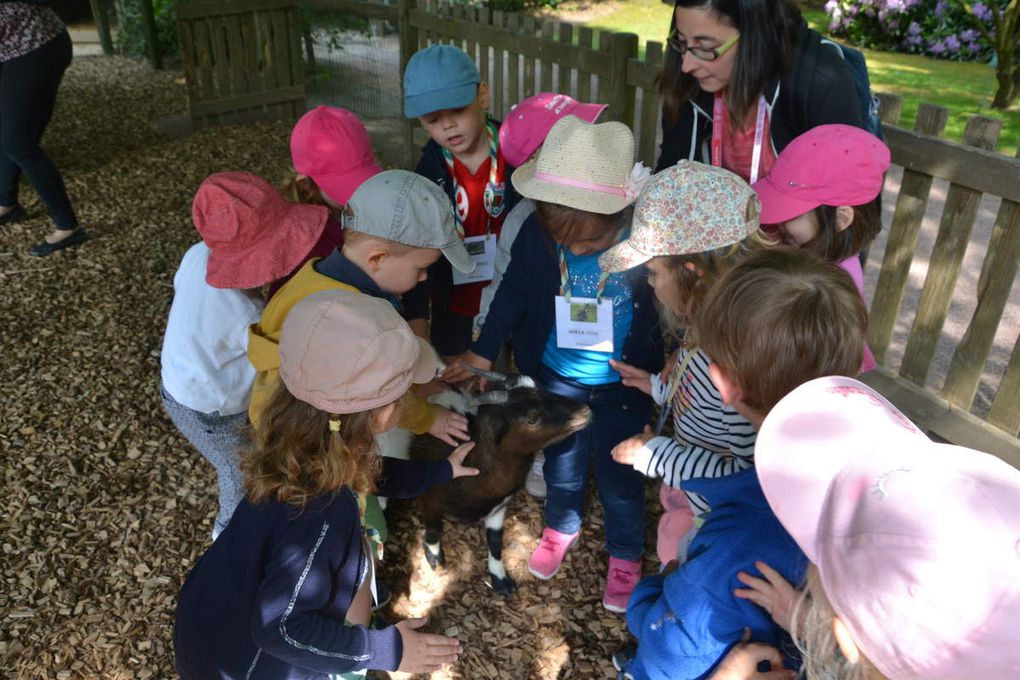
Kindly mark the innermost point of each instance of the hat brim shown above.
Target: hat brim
(454, 97)
(284, 249)
(426, 367)
(587, 112)
(339, 188)
(622, 256)
(778, 207)
(458, 257)
(590, 200)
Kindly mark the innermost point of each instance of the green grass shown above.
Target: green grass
(965, 88)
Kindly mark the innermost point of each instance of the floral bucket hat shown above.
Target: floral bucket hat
(687, 208)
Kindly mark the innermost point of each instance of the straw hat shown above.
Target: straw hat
(585, 166)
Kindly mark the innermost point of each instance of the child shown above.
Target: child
(779, 318)
(913, 544)
(443, 89)
(284, 592)
(251, 236)
(567, 320)
(820, 195)
(397, 224)
(520, 137)
(691, 224)
(332, 156)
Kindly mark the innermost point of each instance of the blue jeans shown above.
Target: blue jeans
(618, 412)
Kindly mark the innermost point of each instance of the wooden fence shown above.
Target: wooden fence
(519, 56)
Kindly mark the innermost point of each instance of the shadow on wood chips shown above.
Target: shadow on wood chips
(105, 507)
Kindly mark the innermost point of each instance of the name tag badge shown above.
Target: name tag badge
(482, 250)
(584, 323)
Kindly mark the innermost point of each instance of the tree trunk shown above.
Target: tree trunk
(1008, 78)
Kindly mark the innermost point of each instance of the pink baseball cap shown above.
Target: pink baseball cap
(255, 235)
(347, 352)
(331, 146)
(528, 123)
(827, 165)
(917, 543)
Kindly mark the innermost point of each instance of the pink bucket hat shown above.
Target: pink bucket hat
(255, 235)
(827, 165)
(526, 126)
(346, 352)
(917, 543)
(687, 208)
(331, 146)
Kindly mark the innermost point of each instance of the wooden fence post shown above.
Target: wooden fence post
(958, 216)
(899, 250)
(620, 96)
(102, 25)
(152, 50)
(408, 46)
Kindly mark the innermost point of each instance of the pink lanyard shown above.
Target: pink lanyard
(717, 127)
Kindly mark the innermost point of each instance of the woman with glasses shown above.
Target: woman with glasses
(742, 78)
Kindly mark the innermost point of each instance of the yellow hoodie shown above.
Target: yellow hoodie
(264, 347)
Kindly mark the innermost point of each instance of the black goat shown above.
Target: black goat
(509, 424)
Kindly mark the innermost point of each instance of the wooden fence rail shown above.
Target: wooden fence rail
(519, 56)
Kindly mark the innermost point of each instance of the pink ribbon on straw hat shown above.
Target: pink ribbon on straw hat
(632, 186)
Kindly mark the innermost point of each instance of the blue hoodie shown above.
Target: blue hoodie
(686, 622)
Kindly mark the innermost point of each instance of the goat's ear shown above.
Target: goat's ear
(499, 428)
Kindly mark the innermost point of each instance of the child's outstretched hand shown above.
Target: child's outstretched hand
(633, 376)
(774, 594)
(456, 461)
(626, 451)
(458, 372)
(425, 652)
(450, 427)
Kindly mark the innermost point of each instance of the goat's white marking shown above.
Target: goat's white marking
(494, 520)
(395, 443)
(433, 548)
(496, 568)
(455, 401)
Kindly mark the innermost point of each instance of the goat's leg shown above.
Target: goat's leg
(432, 544)
(498, 578)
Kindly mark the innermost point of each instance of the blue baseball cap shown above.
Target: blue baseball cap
(439, 77)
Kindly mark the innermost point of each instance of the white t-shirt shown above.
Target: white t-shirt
(205, 348)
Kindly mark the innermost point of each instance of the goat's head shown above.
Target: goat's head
(527, 419)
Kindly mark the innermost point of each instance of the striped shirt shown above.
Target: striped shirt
(710, 439)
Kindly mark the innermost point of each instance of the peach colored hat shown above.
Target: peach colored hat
(346, 352)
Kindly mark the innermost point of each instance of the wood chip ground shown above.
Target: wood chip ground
(105, 507)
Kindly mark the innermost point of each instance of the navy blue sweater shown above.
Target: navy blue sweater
(268, 599)
(523, 311)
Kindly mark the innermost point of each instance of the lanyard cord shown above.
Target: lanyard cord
(675, 380)
(759, 133)
(565, 273)
(495, 188)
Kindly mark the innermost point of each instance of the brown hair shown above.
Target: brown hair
(692, 285)
(563, 223)
(833, 245)
(780, 318)
(295, 456)
(303, 189)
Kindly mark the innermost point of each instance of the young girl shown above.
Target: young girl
(286, 590)
(567, 320)
(821, 193)
(251, 237)
(691, 224)
(332, 155)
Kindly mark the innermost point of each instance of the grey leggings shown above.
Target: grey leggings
(219, 439)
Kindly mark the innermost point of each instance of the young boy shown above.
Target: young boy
(443, 90)
(779, 319)
(396, 225)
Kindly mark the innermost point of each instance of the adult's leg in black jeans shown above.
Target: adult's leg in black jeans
(28, 93)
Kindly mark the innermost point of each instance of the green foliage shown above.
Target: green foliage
(131, 31)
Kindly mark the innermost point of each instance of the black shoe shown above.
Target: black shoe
(46, 248)
(15, 214)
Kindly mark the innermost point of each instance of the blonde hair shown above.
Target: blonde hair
(357, 239)
(299, 452)
(692, 285)
(813, 635)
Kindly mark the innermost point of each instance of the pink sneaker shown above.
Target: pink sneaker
(548, 556)
(623, 576)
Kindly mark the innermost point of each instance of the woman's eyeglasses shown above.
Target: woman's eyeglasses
(679, 45)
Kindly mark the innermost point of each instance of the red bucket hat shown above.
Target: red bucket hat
(255, 235)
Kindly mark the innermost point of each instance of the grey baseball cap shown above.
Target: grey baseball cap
(407, 208)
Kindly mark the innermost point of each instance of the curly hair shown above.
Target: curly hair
(295, 455)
